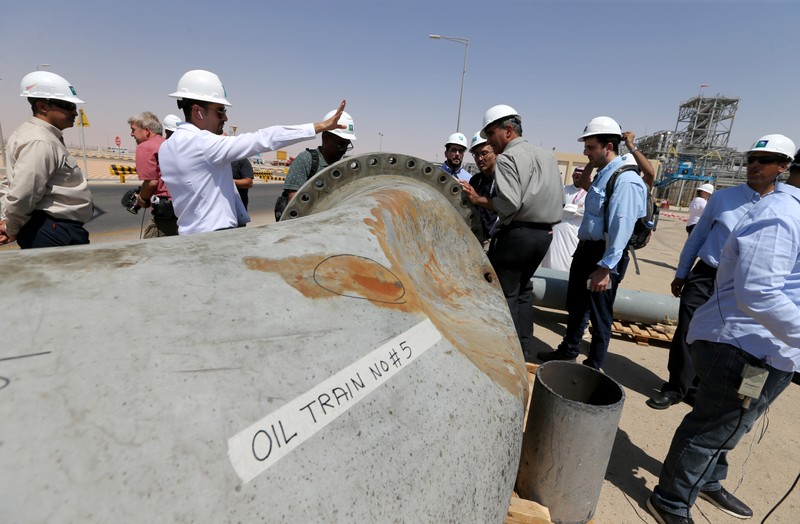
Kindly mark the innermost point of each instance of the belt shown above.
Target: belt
(530, 225)
(589, 243)
(704, 268)
(56, 219)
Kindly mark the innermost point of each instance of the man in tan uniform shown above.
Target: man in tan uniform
(45, 199)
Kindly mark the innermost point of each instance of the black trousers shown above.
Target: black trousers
(697, 289)
(43, 230)
(598, 305)
(515, 253)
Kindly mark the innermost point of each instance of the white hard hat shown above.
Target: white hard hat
(457, 139)
(201, 85)
(774, 144)
(708, 188)
(44, 84)
(348, 133)
(171, 122)
(495, 113)
(629, 160)
(477, 140)
(601, 125)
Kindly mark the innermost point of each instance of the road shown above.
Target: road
(112, 222)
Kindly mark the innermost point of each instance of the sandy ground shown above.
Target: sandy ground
(762, 469)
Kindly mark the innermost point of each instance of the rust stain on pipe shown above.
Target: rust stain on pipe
(440, 287)
(318, 276)
(443, 293)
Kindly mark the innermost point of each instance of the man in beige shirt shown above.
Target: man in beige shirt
(528, 203)
(45, 199)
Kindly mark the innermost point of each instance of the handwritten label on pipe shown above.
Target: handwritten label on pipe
(265, 442)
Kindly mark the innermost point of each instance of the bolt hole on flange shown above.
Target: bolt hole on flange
(443, 179)
(428, 170)
(488, 277)
(354, 165)
(304, 197)
(392, 160)
(336, 173)
(293, 213)
(372, 161)
(319, 184)
(455, 190)
(410, 163)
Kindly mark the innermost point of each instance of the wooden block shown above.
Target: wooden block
(522, 511)
(531, 368)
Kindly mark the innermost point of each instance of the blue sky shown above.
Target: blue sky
(559, 63)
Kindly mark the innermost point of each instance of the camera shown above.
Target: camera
(129, 200)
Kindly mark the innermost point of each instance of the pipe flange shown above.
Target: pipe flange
(328, 181)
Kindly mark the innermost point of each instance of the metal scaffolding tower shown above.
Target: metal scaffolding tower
(704, 124)
(697, 151)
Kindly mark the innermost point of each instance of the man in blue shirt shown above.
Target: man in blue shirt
(454, 150)
(601, 257)
(724, 210)
(751, 322)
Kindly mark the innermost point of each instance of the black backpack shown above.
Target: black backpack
(283, 200)
(644, 226)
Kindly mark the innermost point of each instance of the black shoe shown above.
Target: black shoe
(664, 399)
(727, 503)
(558, 354)
(662, 517)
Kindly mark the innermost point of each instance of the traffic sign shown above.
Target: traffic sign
(82, 120)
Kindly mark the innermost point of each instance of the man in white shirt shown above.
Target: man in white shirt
(565, 234)
(196, 160)
(698, 205)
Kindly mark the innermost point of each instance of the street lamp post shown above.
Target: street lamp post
(465, 43)
(380, 142)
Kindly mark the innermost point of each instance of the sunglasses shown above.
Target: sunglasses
(764, 160)
(63, 104)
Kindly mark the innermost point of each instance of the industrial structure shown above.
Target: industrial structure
(697, 150)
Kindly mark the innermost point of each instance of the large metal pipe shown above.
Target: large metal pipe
(572, 422)
(358, 364)
(550, 290)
